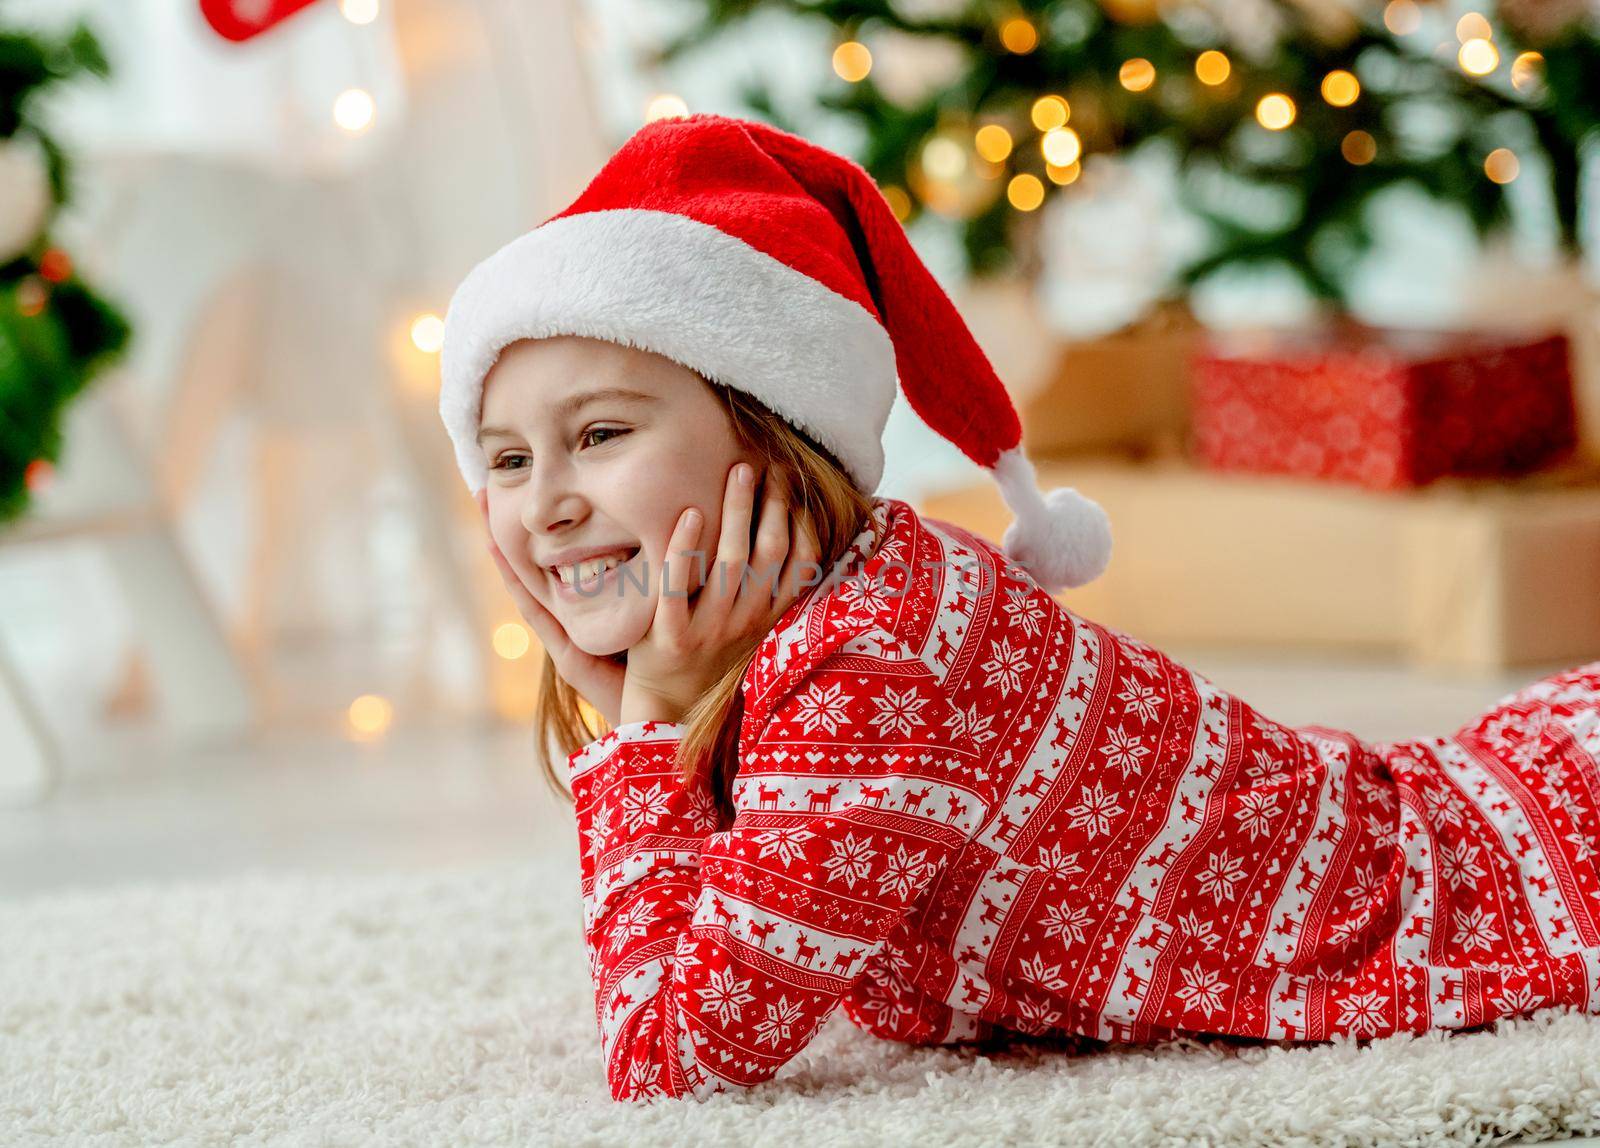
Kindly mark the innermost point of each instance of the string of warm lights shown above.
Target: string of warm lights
(1142, 69)
(354, 109)
(945, 160)
(1478, 56)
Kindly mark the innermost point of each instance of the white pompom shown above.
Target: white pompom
(1062, 539)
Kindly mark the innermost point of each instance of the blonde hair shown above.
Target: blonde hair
(823, 499)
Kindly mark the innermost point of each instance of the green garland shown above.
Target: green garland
(1320, 226)
(56, 333)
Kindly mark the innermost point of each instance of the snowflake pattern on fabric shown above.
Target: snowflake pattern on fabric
(964, 809)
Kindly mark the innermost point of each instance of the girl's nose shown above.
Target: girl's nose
(550, 501)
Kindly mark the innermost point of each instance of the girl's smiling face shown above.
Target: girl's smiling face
(597, 447)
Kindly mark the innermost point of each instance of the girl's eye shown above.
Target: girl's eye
(501, 461)
(603, 430)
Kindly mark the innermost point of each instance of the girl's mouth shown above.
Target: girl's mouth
(594, 585)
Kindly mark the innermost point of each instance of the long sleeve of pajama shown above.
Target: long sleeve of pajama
(717, 954)
(964, 808)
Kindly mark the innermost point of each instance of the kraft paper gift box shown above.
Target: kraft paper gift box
(1462, 575)
(1127, 389)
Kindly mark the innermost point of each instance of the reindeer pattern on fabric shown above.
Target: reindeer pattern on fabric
(964, 808)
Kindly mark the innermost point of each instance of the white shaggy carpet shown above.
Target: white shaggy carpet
(453, 1007)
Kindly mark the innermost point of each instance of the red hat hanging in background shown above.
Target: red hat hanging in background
(241, 19)
(777, 268)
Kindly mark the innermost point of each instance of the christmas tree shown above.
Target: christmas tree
(1286, 116)
(55, 332)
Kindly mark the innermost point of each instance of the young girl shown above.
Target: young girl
(859, 757)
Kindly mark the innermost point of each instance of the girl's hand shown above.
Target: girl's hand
(690, 645)
(598, 679)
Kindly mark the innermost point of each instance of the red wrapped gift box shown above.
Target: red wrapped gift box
(1382, 408)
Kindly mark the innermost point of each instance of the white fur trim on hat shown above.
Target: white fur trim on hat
(686, 290)
(1061, 539)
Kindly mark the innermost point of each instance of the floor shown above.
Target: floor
(132, 806)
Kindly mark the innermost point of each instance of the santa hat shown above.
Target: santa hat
(776, 267)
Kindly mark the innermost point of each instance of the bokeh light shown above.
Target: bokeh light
(1502, 165)
(899, 201)
(1050, 112)
(511, 640)
(1025, 192)
(1137, 74)
(1474, 26)
(1019, 35)
(359, 11)
(1402, 17)
(1359, 148)
(993, 142)
(1340, 88)
(852, 61)
(1213, 68)
(1063, 175)
(354, 110)
(1061, 146)
(370, 715)
(1527, 70)
(1275, 112)
(427, 332)
(664, 106)
(1478, 57)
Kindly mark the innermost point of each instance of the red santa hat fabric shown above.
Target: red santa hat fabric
(774, 266)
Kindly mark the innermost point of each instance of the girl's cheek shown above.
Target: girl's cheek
(538, 583)
(535, 585)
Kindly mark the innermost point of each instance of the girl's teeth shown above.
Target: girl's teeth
(583, 571)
